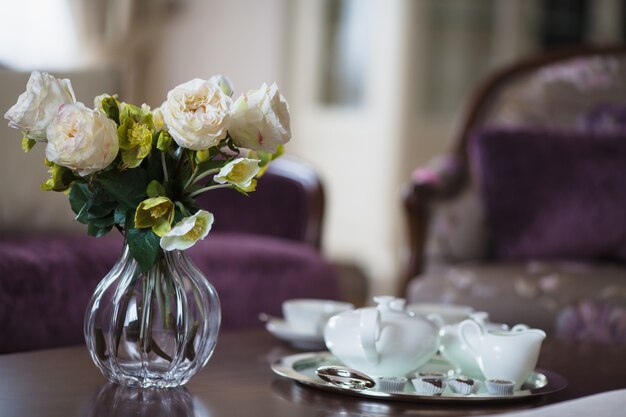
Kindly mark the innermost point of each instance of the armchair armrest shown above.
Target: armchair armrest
(441, 179)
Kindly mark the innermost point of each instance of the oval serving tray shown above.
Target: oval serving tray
(301, 368)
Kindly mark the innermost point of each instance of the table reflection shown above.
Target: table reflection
(117, 400)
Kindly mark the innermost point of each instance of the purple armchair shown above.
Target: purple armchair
(525, 217)
(262, 250)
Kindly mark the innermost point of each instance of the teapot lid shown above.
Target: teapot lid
(389, 302)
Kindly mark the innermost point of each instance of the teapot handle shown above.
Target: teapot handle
(370, 332)
(471, 342)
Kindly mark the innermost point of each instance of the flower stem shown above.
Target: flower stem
(165, 176)
(205, 174)
(191, 178)
(182, 209)
(209, 188)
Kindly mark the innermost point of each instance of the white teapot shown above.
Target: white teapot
(382, 341)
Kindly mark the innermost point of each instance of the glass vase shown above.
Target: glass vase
(155, 328)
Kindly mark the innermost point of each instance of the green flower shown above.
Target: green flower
(157, 213)
(239, 173)
(135, 134)
(60, 178)
(188, 231)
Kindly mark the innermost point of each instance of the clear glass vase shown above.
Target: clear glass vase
(155, 328)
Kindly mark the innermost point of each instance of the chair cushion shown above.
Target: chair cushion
(552, 193)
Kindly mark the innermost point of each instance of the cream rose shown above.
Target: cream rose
(261, 119)
(188, 231)
(197, 114)
(82, 139)
(38, 105)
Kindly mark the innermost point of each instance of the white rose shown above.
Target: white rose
(38, 105)
(239, 172)
(82, 139)
(188, 231)
(261, 119)
(197, 114)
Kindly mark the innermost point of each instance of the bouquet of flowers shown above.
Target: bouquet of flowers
(139, 170)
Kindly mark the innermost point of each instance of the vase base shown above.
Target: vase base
(147, 381)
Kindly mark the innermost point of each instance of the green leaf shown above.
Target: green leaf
(212, 164)
(144, 246)
(80, 201)
(79, 195)
(119, 216)
(111, 108)
(97, 211)
(155, 189)
(60, 179)
(102, 222)
(96, 231)
(267, 157)
(129, 222)
(28, 143)
(154, 165)
(128, 187)
(164, 141)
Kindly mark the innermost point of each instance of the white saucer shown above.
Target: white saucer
(301, 340)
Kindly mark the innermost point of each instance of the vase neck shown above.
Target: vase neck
(168, 256)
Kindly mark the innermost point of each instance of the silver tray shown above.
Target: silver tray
(301, 368)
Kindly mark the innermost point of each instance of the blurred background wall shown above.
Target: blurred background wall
(376, 87)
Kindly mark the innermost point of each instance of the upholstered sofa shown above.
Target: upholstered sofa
(525, 217)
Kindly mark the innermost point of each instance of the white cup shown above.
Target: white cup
(307, 315)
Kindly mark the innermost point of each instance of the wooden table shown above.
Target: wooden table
(238, 382)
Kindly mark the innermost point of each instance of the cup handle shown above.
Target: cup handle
(477, 329)
(369, 331)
